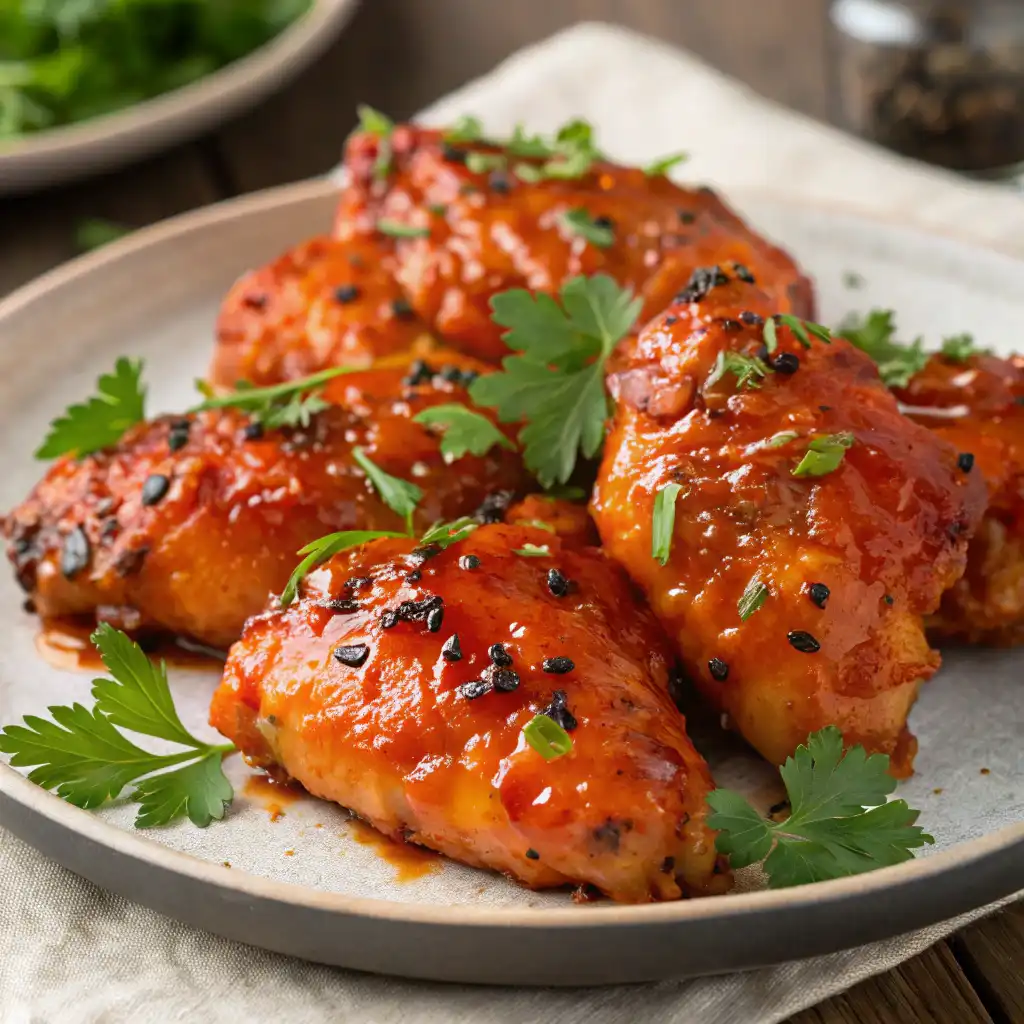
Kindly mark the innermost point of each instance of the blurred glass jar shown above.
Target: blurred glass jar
(938, 80)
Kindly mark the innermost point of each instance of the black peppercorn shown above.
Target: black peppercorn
(352, 655)
(558, 666)
(786, 362)
(75, 553)
(818, 593)
(719, 669)
(452, 649)
(475, 688)
(505, 679)
(965, 462)
(346, 293)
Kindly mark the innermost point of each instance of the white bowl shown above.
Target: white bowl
(73, 151)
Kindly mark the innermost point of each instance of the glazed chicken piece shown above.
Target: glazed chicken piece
(399, 685)
(324, 303)
(486, 232)
(977, 405)
(795, 601)
(191, 521)
(570, 521)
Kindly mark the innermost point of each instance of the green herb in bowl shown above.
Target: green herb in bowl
(63, 61)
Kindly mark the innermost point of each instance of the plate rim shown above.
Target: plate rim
(44, 805)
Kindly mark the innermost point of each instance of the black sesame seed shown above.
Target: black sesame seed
(453, 155)
(355, 582)
(177, 438)
(670, 320)
(469, 562)
(255, 300)
(414, 577)
(743, 273)
(130, 562)
(414, 611)
(154, 489)
(346, 293)
(434, 619)
(557, 583)
(499, 182)
(452, 649)
(678, 686)
(668, 865)
(389, 619)
(253, 431)
(420, 372)
(819, 594)
(468, 376)
(402, 309)
(965, 462)
(559, 713)
(341, 604)
(493, 508)
(825, 408)
(352, 655)
(451, 374)
(719, 669)
(475, 688)
(803, 642)
(786, 362)
(603, 222)
(730, 325)
(751, 318)
(505, 679)
(499, 655)
(558, 666)
(532, 854)
(702, 280)
(75, 552)
(889, 600)
(686, 217)
(426, 551)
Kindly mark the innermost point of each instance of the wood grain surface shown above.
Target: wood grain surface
(401, 54)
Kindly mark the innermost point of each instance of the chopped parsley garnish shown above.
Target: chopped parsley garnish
(290, 404)
(318, 551)
(874, 336)
(748, 370)
(960, 347)
(556, 384)
(824, 453)
(467, 431)
(579, 222)
(482, 163)
(396, 229)
(533, 551)
(87, 760)
(802, 330)
(102, 420)
(752, 598)
(781, 438)
(399, 495)
(547, 737)
(661, 167)
(466, 129)
(446, 534)
(840, 823)
(664, 521)
(381, 126)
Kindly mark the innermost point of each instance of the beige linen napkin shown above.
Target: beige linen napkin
(72, 954)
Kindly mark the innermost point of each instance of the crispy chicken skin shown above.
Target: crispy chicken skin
(977, 406)
(885, 532)
(190, 522)
(371, 715)
(487, 232)
(323, 303)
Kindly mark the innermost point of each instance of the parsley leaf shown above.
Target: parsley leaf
(547, 737)
(830, 832)
(396, 229)
(380, 125)
(664, 521)
(466, 129)
(579, 222)
(824, 453)
(960, 347)
(533, 551)
(467, 431)
(102, 420)
(802, 330)
(661, 167)
(557, 384)
(399, 495)
(753, 596)
(874, 335)
(748, 370)
(482, 163)
(290, 404)
(82, 755)
(446, 534)
(781, 438)
(318, 551)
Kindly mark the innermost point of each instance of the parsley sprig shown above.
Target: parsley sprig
(749, 371)
(556, 384)
(840, 823)
(803, 330)
(875, 336)
(824, 454)
(465, 430)
(87, 760)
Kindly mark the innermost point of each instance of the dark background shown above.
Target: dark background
(398, 55)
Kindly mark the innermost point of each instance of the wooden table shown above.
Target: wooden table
(398, 55)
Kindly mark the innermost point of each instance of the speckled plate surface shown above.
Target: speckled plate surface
(303, 879)
(76, 150)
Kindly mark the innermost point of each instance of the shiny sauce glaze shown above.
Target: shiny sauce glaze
(468, 235)
(404, 697)
(840, 568)
(977, 406)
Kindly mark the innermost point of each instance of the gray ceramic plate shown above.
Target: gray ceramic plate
(63, 154)
(306, 882)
